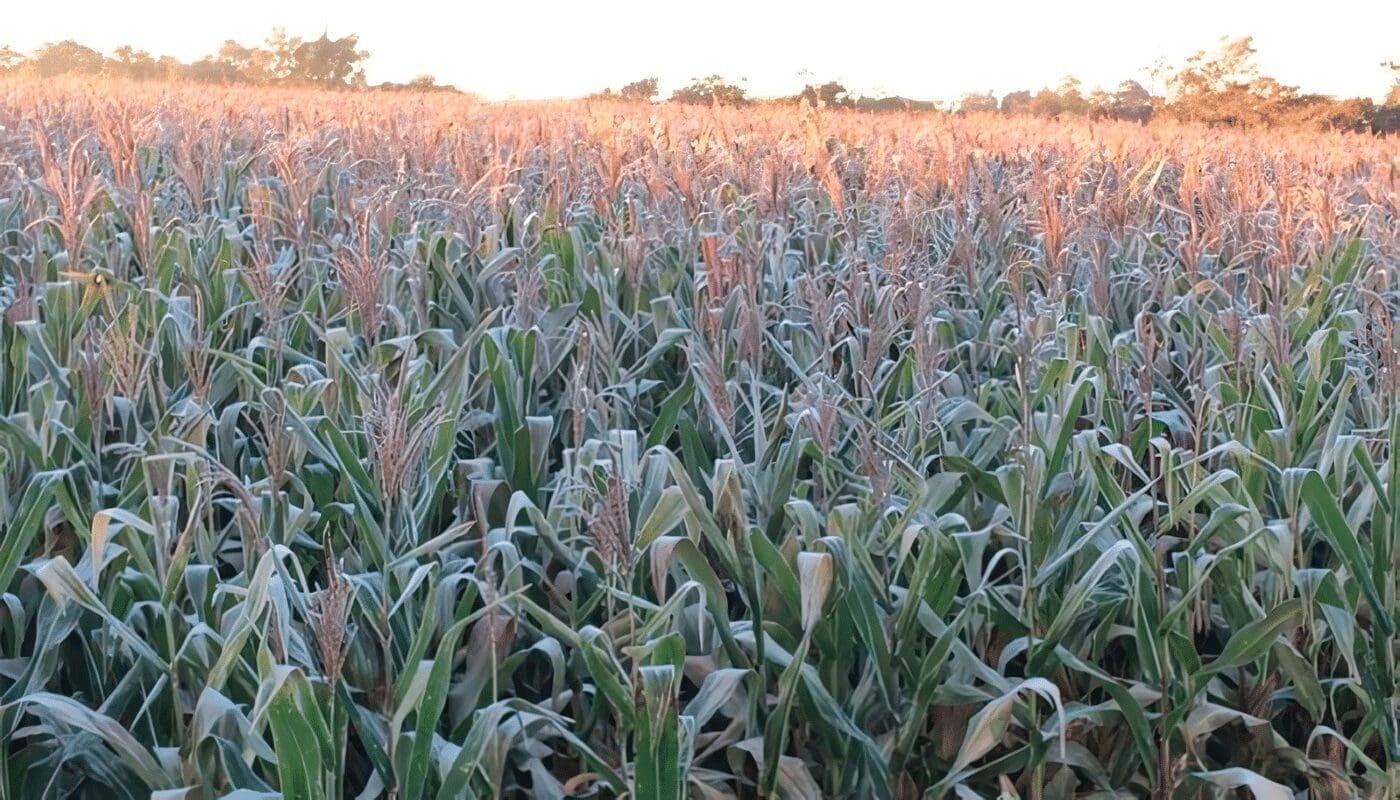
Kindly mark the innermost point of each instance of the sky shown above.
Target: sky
(925, 50)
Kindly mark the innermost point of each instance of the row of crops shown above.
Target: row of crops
(391, 446)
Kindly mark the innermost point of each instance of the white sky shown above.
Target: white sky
(927, 50)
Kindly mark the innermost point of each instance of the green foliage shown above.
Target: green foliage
(975, 103)
(1225, 87)
(349, 450)
(711, 90)
(830, 94)
(644, 89)
(65, 57)
(324, 62)
(327, 62)
(10, 58)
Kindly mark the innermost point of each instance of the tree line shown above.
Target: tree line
(1223, 86)
(717, 90)
(280, 59)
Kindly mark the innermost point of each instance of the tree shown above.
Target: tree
(212, 70)
(10, 58)
(711, 89)
(67, 57)
(170, 66)
(1046, 103)
(283, 48)
(888, 103)
(418, 83)
(324, 61)
(1016, 103)
(831, 94)
(1071, 96)
(134, 64)
(1385, 119)
(329, 62)
(254, 64)
(1326, 113)
(1131, 93)
(1066, 99)
(1224, 87)
(1205, 73)
(640, 90)
(1393, 98)
(974, 103)
(1130, 101)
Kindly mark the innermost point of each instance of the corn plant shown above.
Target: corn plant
(360, 445)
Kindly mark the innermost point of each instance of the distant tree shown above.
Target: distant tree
(329, 62)
(1046, 103)
(1072, 100)
(170, 67)
(67, 57)
(10, 58)
(135, 64)
(1393, 98)
(1326, 113)
(1099, 101)
(275, 60)
(974, 103)
(893, 103)
(1016, 103)
(282, 49)
(831, 94)
(255, 64)
(324, 61)
(1204, 73)
(1131, 93)
(1067, 99)
(212, 70)
(644, 89)
(281, 58)
(1130, 101)
(1224, 87)
(1385, 119)
(711, 89)
(419, 83)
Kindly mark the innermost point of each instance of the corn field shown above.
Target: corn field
(360, 446)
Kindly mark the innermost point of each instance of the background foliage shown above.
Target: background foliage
(1222, 87)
